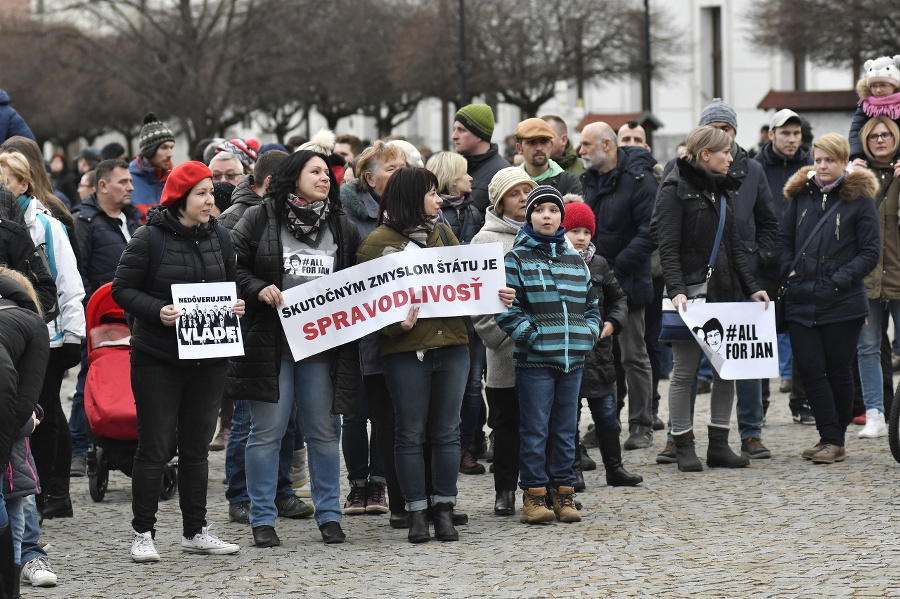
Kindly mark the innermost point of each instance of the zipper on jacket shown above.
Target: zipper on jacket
(824, 199)
(799, 222)
(837, 227)
(565, 320)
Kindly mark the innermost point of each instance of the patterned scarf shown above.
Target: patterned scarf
(305, 219)
(419, 233)
(588, 254)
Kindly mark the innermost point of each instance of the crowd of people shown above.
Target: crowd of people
(595, 236)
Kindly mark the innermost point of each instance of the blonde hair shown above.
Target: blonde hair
(869, 126)
(835, 145)
(705, 138)
(372, 158)
(22, 280)
(447, 167)
(18, 164)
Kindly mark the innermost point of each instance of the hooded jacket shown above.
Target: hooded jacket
(828, 283)
(570, 161)
(624, 206)
(482, 168)
(554, 320)
(685, 223)
(190, 255)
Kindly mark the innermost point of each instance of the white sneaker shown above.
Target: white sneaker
(299, 473)
(207, 544)
(142, 549)
(875, 426)
(38, 573)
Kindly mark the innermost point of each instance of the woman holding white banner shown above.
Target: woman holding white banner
(426, 362)
(301, 216)
(686, 224)
(830, 240)
(177, 400)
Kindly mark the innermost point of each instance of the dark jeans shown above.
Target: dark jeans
(381, 412)
(427, 396)
(603, 412)
(78, 427)
(360, 448)
(235, 469)
(177, 408)
(653, 326)
(504, 406)
(824, 356)
(473, 400)
(51, 442)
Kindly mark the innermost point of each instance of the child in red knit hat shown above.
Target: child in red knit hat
(598, 383)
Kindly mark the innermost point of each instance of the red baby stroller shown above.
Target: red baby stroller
(108, 400)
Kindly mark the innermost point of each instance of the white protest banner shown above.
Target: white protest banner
(206, 326)
(737, 337)
(329, 311)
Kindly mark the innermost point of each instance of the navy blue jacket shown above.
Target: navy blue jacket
(11, 122)
(100, 242)
(829, 282)
(623, 208)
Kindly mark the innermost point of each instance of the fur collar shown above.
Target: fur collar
(862, 88)
(857, 184)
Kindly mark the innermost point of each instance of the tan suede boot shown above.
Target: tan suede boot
(564, 504)
(534, 507)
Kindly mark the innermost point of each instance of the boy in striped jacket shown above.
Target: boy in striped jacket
(554, 322)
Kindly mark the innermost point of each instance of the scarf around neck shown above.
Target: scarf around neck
(419, 233)
(304, 219)
(889, 106)
(588, 254)
(827, 188)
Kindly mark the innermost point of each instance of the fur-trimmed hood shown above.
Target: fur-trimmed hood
(859, 183)
(862, 89)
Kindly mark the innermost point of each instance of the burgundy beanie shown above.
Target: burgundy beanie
(182, 179)
(579, 214)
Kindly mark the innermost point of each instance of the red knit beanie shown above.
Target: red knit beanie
(579, 214)
(182, 179)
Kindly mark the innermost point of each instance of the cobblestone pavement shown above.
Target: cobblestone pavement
(780, 528)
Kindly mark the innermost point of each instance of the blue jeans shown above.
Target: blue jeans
(307, 385)
(548, 417)
(78, 425)
(360, 448)
(784, 356)
(603, 412)
(235, 471)
(868, 350)
(26, 531)
(427, 396)
(749, 407)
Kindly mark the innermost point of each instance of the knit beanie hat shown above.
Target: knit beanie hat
(182, 179)
(541, 195)
(504, 180)
(718, 111)
(245, 151)
(579, 214)
(477, 118)
(154, 133)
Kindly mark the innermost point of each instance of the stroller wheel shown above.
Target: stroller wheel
(170, 482)
(98, 474)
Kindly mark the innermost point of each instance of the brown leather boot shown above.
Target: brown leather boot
(534, 507)
(564, 504)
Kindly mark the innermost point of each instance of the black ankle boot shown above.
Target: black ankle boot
(611, 454)
(719, 454)
(443, 522)
(418, 527)
(57, 506)
(685, 454)
(8, 578)
(505, 503)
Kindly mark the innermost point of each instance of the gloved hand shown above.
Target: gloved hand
(70, 355)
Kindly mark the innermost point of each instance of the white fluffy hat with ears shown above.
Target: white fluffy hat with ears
(884, 69)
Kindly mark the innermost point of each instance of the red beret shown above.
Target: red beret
(182, 179)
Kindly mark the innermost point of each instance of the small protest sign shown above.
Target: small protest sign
(206, 326)
(332, 310)
(738, 338)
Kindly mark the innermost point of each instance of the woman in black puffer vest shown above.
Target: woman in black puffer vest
(177, 400)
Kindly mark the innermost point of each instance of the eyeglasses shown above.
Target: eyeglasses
(227, 176)
(880, 136)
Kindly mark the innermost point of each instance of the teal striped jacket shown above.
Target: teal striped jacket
(555, 320)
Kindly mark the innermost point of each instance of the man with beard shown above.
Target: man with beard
(534, 141)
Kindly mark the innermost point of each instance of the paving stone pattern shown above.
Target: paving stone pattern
(780, 528)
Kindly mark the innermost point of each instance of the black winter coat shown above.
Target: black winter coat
(242, 199)
(464, 220)
(685, 223)
(482, 168)
(257, 241)
(778, 170)
(564, 183)
(100, 242)
(190, 255)
(624, 207)
(599, 376)
(829, 282)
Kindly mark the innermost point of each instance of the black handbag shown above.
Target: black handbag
(673, 327)
(780, 303)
